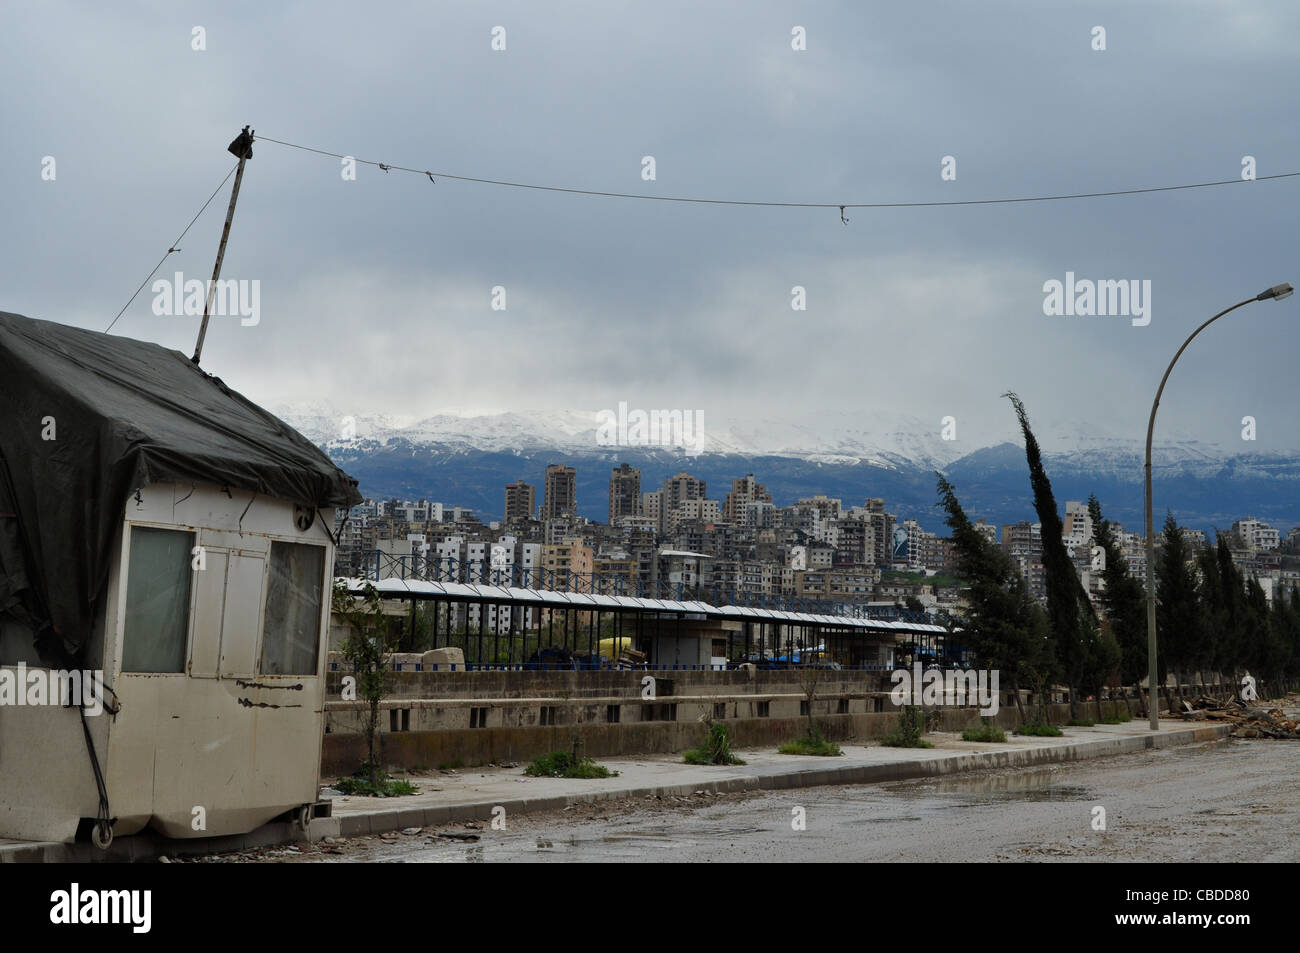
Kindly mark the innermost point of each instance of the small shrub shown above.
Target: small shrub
(1112, 720)
(813, 743)
(1041, 730)
(984, 731)
(715, 750)
(561, 764)
(911, 725)
(386, 787)
(587, 768)
(1080, 723)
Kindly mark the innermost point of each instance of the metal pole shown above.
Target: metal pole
(1153, 705)
(242, 147)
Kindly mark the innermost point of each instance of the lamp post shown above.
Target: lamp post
(1278, 292)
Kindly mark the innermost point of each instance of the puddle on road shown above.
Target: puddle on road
(1023, 786)
(658, 839)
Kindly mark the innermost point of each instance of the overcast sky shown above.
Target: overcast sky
(376, 293)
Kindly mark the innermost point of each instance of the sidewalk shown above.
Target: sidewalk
(471, 794)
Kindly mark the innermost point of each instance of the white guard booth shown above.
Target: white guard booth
(165, 572)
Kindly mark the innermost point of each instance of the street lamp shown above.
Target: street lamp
(1277, 292)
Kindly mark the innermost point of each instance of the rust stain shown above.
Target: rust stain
(249, 703)
(243, 684)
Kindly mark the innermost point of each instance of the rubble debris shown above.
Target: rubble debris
(1246, 722)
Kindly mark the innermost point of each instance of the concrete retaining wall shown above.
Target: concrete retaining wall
(437, 718)
(344, 751)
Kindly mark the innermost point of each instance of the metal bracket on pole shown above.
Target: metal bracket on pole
(243, 148)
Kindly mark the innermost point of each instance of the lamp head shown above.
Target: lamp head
(1277, 292)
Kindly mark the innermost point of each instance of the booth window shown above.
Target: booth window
(157, 600)
(291, 635)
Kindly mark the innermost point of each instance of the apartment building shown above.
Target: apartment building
(740, 579)
(1077, 531)
(882, 527)
(561, 489)
(521, 503)
(854, 539)
(682, 487)
(820, 555)
(624, 492)
(1255, 535)
(682, 571)
(758, 515)
(922, 548)
(744, 491)
(568, 565)
(828, 507)
(988, 531)
(695, 510)
(846, 584)
(1023, 542)
(652, 508)
(617, 573)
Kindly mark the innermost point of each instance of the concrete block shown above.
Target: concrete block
(444, 656)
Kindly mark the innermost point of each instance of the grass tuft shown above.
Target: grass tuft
(813, 743)
(561, 764)
(984, 731)
(911, 725)
(387, 787)
(715, 750)
(1040, 730)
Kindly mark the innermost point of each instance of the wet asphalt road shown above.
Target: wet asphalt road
(1225, 802)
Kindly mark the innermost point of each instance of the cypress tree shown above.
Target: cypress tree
(1232, 649)
(1213, 610)
(1123, 600)
(1278, 651)
(1073, 621)
(1178, 610)
(1003, 627)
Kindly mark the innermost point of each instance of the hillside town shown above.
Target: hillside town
(738, 546)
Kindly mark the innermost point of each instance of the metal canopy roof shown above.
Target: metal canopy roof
(392, 587)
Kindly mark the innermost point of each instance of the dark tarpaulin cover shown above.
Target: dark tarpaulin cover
(125, 414)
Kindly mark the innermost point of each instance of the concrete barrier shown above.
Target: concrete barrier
(343, 751)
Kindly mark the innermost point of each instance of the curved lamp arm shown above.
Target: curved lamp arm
(1277, 292)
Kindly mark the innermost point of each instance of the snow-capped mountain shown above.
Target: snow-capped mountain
(466, 456)
(834, 438)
